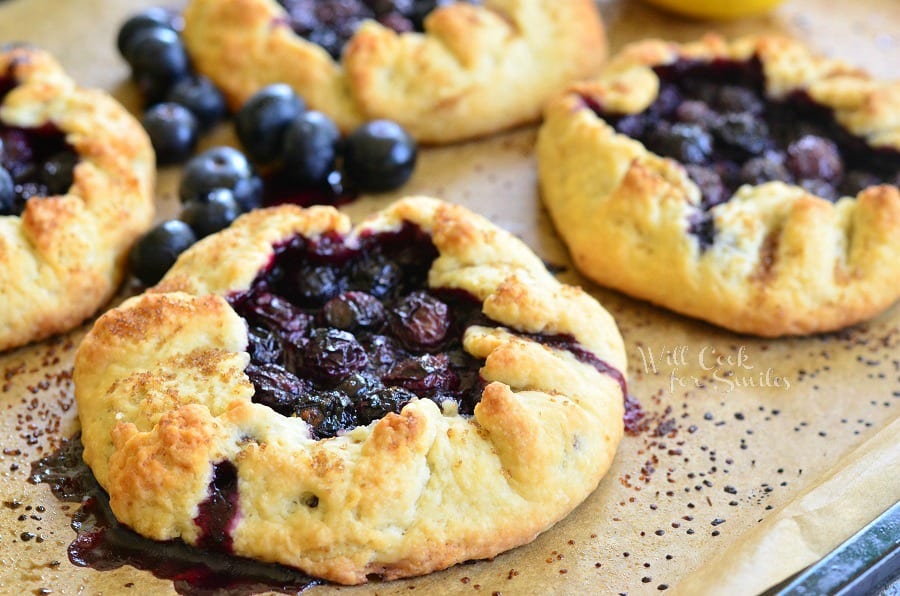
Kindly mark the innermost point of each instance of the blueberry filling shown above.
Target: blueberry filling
(219, 511)
(715, 118)
(341, 335)
(102, 543)
(33, 161)
(331, 23)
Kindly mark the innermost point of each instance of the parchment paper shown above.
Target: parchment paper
(756, 456)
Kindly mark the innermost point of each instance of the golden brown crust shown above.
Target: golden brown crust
(64, 256)
(475, 71)
(162, 397)
(783, 262)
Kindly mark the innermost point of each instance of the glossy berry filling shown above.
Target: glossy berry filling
(38, 160)
(331, 23)
(341, 335)
(715, 119)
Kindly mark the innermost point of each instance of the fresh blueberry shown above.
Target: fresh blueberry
(151, 17)
(379, 156)
(158, 60)
(261, 122)
(7, 193)
(172, 130)
(310, 149)
(221, 167)
(198, 94)
(156, 251)
(58, 172)
(212, 213)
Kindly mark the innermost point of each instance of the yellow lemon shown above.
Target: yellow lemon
(716, 9)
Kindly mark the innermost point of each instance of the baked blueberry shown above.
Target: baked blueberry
(815, 158)
(172, 130)
(158, 60)
(146, 19)
(156, 251)
(420, 321)
(353, 310)
(261, 122)
(212, 213)
(198, 94)
(310, 149)
(332, 354)
(688, 143)
(379, 156)
(221, 167)
(765, 168)
(743, 132)
(58, 172)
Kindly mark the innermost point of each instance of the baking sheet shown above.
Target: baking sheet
(756, 456)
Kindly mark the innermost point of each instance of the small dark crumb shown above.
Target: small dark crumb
(653, 506)
(669, 557)
(690, 505)
(598, 564)
(717, 521)
(676, 525)
(715, 532)
(646, 579)
(465, 579)
(692, 428)
(733, 503)
(690, 531)
(769, 507)
(646, 565)
(738, 415)
(708, 416)
(626, 554)
(659, 532)
(780, 470)
(563, 571)
(662, 587)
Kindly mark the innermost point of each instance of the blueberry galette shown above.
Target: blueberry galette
(385, 400)
(443, 70)
(747, 183)
(76, 172)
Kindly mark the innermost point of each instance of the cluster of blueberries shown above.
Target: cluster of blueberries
(341, 335)
(299, 149)
(33, 162)
(330, 23)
